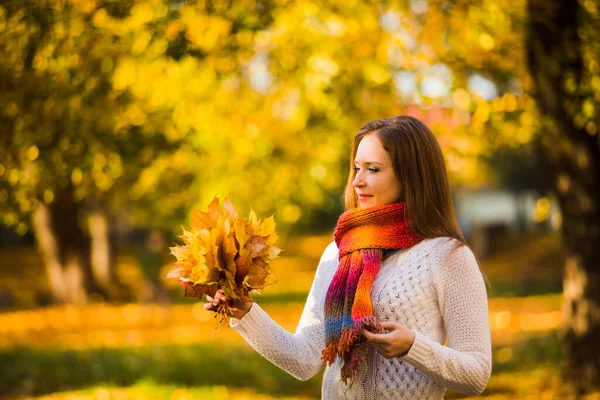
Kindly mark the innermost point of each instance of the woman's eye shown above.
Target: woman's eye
(370, 169)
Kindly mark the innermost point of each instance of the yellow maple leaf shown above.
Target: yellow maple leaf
(224, 251)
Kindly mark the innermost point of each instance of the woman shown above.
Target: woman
(397, 281)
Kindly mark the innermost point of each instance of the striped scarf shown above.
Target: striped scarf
(361, 236)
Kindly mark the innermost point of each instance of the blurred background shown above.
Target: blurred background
(119, 117)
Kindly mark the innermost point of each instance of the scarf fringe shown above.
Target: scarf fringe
(347, 341)
(346, 346)
(329, 353)
(369, 323)
(351, 363)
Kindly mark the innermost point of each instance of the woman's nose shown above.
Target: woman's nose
(358, 182)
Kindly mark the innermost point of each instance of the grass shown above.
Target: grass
(149, 389)
(122, 351)
(42, 371)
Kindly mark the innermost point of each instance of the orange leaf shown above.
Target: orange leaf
(213, 210)
(201, 220)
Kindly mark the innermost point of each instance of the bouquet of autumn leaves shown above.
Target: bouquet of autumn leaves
(224, 251)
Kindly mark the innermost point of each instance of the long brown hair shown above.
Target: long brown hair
(420, 167)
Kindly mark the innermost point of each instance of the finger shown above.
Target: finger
(369, 335)
(208, 306)
(213, 301)
(375, 337)
(391, 325)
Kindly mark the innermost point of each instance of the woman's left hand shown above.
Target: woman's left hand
(396, 343)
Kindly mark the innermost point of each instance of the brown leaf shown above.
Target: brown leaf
(227, 283)
(227, 253)
(241, 270)
(259, 274)
(197, 291)
(256, 277)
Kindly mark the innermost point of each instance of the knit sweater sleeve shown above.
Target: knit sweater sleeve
(465, 365)
(299, 354)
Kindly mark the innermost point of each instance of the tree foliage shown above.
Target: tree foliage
(158, 106)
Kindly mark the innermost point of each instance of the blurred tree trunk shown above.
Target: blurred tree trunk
(67, 251)
(556, 65)
(101, 257)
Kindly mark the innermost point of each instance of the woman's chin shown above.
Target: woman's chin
(366, 203)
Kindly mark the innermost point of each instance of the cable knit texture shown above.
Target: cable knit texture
(432, 288)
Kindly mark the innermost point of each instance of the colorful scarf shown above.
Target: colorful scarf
(361, 236)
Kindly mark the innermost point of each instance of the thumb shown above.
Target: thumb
(368, 334)
(374, 337)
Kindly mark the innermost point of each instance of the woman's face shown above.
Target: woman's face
(375, 181)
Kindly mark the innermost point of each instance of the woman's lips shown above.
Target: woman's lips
(364, 196)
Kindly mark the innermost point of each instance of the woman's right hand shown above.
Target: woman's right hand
(239, 309)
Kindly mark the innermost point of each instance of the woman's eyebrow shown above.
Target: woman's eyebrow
(368, 162)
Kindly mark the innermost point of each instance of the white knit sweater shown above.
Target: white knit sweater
(438, 293)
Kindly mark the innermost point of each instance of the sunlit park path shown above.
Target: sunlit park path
(106, 351)
(134, 325)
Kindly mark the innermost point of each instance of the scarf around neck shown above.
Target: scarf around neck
(361, 235)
